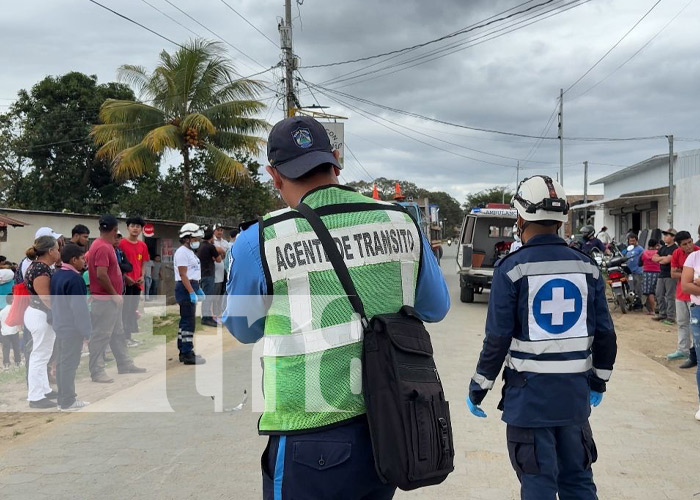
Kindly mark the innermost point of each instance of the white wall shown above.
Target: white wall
(686, 204)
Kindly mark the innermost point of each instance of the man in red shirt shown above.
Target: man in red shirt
(136, 253)
(686, 247)
(106, 287)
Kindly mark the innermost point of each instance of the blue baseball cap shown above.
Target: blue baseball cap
(297, 145)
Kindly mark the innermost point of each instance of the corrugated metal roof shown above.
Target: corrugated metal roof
(9, 221)
(654, 161)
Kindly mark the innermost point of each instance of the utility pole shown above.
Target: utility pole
(585, 182)
(561, 136)
(285, 29)
(670, 180)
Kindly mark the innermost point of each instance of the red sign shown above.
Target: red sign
(148, 230)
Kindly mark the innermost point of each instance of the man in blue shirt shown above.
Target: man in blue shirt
(302, 459)
(634, 253)
(548, 321)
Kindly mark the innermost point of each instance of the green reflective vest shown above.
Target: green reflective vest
(312, 346)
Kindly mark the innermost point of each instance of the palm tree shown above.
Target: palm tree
(196, 107)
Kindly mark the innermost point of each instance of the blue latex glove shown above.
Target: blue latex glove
(596, 398)
(193, 297)
(475, 409)
(200, 295)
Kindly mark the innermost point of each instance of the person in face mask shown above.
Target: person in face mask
(517, 243)
(188, 274)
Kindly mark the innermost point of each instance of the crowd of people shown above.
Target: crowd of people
(73, 298)
(666, 279)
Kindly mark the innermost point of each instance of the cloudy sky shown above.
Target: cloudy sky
(497, 77)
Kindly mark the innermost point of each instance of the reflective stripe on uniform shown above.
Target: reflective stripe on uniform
(537, 366)
(312, 341)
(602, 374)
(407, 274)
(483, 382)
(552, 346)
(554, 267)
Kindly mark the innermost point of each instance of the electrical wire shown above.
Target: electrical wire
(398, 55)
(436, 40)
(635, 54)
(249, 23)
(213, 33)
(479, 129)
(136, 23)
(613, 47)
(459, 46)
(172, 18)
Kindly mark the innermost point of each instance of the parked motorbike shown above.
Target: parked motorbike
(620, 279)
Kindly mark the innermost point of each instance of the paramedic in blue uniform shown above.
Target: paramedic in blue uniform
(548, 321)
(298, 170)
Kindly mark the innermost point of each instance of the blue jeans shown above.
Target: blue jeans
(207, 284)
(695, 329)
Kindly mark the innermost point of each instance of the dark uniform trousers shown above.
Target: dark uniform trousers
(336, 463)
(188, 310)
(551, 460)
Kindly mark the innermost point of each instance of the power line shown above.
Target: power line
(136, 23)
(251, 24)
(397, 55)
(416, 115)
(457, 47)
(479, 129)
(635, 54)
(445, 37)
(613, 47)
(171, 18)
(213, 33)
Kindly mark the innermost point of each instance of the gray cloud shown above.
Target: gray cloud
(510, 83)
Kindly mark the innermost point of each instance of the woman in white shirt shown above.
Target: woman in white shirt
(690, 283)
(187, 292)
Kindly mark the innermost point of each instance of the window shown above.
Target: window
(507, 232)
(494, 231)
(467, 237)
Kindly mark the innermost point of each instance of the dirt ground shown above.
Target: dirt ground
(635, 331)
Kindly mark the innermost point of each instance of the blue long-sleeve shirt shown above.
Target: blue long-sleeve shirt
(634, 255)
(69, 307)
(246, 288)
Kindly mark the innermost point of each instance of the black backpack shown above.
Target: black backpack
(408, 416)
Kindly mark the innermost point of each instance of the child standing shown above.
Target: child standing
(71, 322)
(651, 271)
(10, 336)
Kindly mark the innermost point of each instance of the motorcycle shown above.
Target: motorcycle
(620, 280)
(449, 242)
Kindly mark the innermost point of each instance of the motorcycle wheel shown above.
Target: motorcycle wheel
(622, 303)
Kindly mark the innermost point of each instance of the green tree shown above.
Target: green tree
(498, 194)
(51, 162)
(196, 107)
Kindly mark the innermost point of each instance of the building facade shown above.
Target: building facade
(637, 197)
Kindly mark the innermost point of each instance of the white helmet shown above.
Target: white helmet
(191, 229)
(540, 198)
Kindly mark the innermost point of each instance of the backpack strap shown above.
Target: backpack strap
(335, 258)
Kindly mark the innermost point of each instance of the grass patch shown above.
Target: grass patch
(49, 420)
(17, 433)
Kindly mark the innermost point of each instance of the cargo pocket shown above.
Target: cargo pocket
(423, 439)
(589, 445)
(321, 455)
(521, 449)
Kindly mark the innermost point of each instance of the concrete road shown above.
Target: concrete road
(181, 445)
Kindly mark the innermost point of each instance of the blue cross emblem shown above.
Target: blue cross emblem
(557, 306)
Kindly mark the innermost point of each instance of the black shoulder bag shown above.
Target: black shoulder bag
(409, 418)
